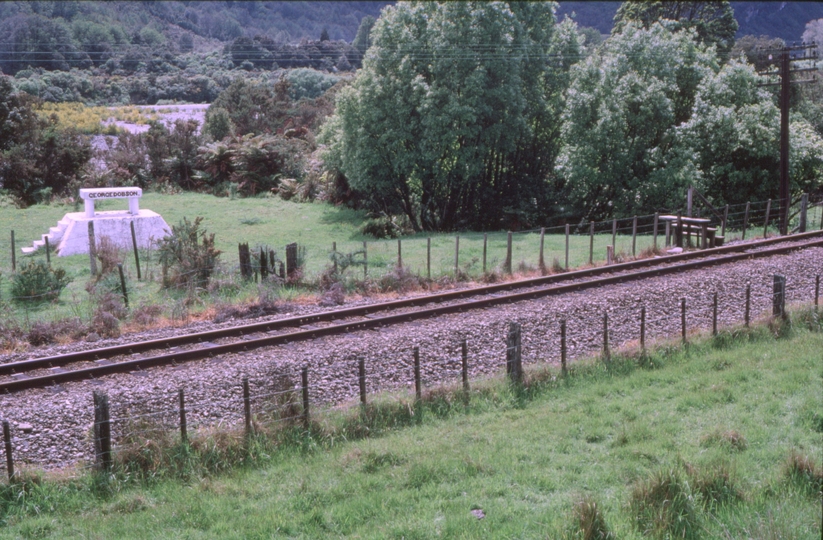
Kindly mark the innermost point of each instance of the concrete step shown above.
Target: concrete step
(28, 250)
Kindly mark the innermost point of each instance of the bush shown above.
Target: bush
(38, 282)
(188, 256)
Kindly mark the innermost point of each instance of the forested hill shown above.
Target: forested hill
(223, 20)
(785, 20)
(294, 21)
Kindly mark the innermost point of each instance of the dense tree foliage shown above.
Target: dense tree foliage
(452, 120)
(623, 106)
(652, 113)
(713, 21)
(37, 159)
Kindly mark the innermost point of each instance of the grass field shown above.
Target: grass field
(273, 222)
(717, 425)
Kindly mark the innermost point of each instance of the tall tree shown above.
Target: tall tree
(623, 106)
(713, 21)
(450, 121)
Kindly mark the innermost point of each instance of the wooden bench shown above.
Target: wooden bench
(687, 226)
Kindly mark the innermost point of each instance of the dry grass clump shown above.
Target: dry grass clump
(589, 522)
(716, 484)
(730, 439)
(805, 471)
(662, 506)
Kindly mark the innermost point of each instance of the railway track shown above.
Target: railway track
(137, 356)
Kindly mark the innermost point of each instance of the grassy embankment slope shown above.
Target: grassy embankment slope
(724, 419)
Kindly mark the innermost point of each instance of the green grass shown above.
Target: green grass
(718, 423)
(273, 222)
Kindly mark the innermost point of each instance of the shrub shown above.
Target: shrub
(188, 256)
(147, 314)
(38, 282)
(46, 333)
(108, 254)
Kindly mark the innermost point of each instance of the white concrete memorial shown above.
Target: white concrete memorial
(71, 236)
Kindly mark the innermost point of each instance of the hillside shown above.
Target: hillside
(785, 20)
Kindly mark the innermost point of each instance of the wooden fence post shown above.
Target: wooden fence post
(817, 291)
(485, 246)
(678, 233)
(334, 256)
(365, 260)
(244, 256)
(779, 296)
(714, 314)
(642, 329)
(418, 390)
(725, 219)
(429, 259)
(747, 311)
(134, 246)
(514, 361)
(399, 255)
(563, 370)
(264, 265)
(456, 257)
(361, 379)
(291, 259)
(745, 220)
(102, 431)
(606, 353)
(304, 387)
(766, 222)
(464, 364)
(804, 207)
(591, 242)
(508, 265)
(48, 251)
(541, 262)
(13, 254)
(654, 230)
(609, 255)
(92, 250)
(614, 232)
(567, 247)
(123, 284)
(668, 233)
(9, 457)
(247, 405)
(634, 236)
(181, 402)
(689, 199)
(683, 319)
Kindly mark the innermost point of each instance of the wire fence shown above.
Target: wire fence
(396, 265)
(130, 418)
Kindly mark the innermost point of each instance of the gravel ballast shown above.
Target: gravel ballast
(52, 428)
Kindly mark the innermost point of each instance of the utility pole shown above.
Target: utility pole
(787, 55)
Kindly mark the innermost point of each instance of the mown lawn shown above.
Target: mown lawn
(727, 417)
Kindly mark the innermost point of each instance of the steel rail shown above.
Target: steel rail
(211, 350)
